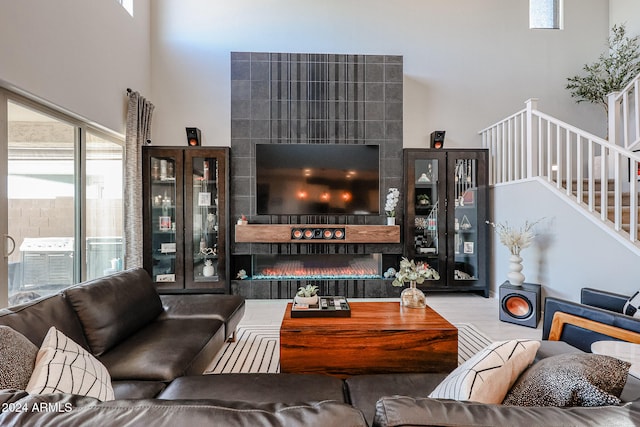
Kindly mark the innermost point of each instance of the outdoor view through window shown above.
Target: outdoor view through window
(45, 213)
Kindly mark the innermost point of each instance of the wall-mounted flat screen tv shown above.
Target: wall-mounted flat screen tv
(310, 179)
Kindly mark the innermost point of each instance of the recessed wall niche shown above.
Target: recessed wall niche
(305, 98)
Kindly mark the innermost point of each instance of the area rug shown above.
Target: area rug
(257, 349)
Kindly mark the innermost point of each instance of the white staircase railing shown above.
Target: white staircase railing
(585, 167)
(624, 116)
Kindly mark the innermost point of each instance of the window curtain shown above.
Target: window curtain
(138, 133)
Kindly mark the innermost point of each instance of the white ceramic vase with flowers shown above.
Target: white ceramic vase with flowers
(515, 239)
(393, 196)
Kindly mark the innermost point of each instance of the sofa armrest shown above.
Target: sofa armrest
(603, 299)
(581, 337)
(561, 319)
(406, 411)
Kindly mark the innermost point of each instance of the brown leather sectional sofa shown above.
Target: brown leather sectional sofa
(156, 348)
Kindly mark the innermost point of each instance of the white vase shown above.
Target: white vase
(391, 220)
(516, 278)
(207, 270)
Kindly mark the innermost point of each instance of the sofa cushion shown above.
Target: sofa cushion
(554, 348)
(227, 308)
(488, 375)
(400, 411)
(33, 319)
(365, 390)
(284, 388)
(137, 389)
(83, 411)
(571, 380)
(62, 366)
(166, 349)
(112, 308)
(600, 298)
(17, 359)
(632, 306)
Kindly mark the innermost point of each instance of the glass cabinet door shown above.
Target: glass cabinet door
(204, 221)
(445, 212)
(427, 210)
(165, 220)
(466, 220)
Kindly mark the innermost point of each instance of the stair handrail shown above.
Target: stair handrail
(530, 143)
(624, 115)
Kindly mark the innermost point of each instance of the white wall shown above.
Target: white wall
(625, 12)
(570, 250)
(79, 55)
(468, 63)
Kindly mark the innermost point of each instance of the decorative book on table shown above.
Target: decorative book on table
(327, 306)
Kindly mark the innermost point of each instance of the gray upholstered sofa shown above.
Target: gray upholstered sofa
(156, 347)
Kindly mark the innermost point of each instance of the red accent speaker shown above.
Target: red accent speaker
(437, 139)
(520, 304)
(193, 136)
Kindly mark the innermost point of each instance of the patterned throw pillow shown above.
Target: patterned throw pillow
(17, 357)
(575, 379)
(62, 366)
(488, 375)
(632, 306)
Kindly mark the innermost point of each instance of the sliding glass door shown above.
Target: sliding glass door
(103, 212)
(63, 202)
(41, 203)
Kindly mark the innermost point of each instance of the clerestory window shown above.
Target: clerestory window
(127, 4)
(545, 14)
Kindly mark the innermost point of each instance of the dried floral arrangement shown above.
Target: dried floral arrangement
(515, 239)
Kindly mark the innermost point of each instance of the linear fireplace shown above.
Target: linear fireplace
(317, 267)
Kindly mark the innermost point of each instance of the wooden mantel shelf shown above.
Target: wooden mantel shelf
(284, 233)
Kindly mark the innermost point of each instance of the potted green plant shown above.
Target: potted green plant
(613, 70)
(307, 295)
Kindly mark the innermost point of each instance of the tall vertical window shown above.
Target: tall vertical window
(545, 14)
(64, 201)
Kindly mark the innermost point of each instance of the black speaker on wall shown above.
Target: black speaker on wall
(520, 304)
(437, 139)
(193, 136)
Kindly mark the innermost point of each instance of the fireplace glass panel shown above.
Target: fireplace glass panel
(317, 266)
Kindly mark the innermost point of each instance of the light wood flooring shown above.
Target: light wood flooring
(456, 308)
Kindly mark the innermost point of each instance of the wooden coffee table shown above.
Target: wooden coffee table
(379, 337)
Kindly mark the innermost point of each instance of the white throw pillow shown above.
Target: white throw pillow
(632, 306)
(488, 375)
(62, 366)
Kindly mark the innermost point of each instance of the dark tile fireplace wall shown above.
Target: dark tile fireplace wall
(302, 98)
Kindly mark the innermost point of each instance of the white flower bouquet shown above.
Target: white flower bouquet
(393, 196)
